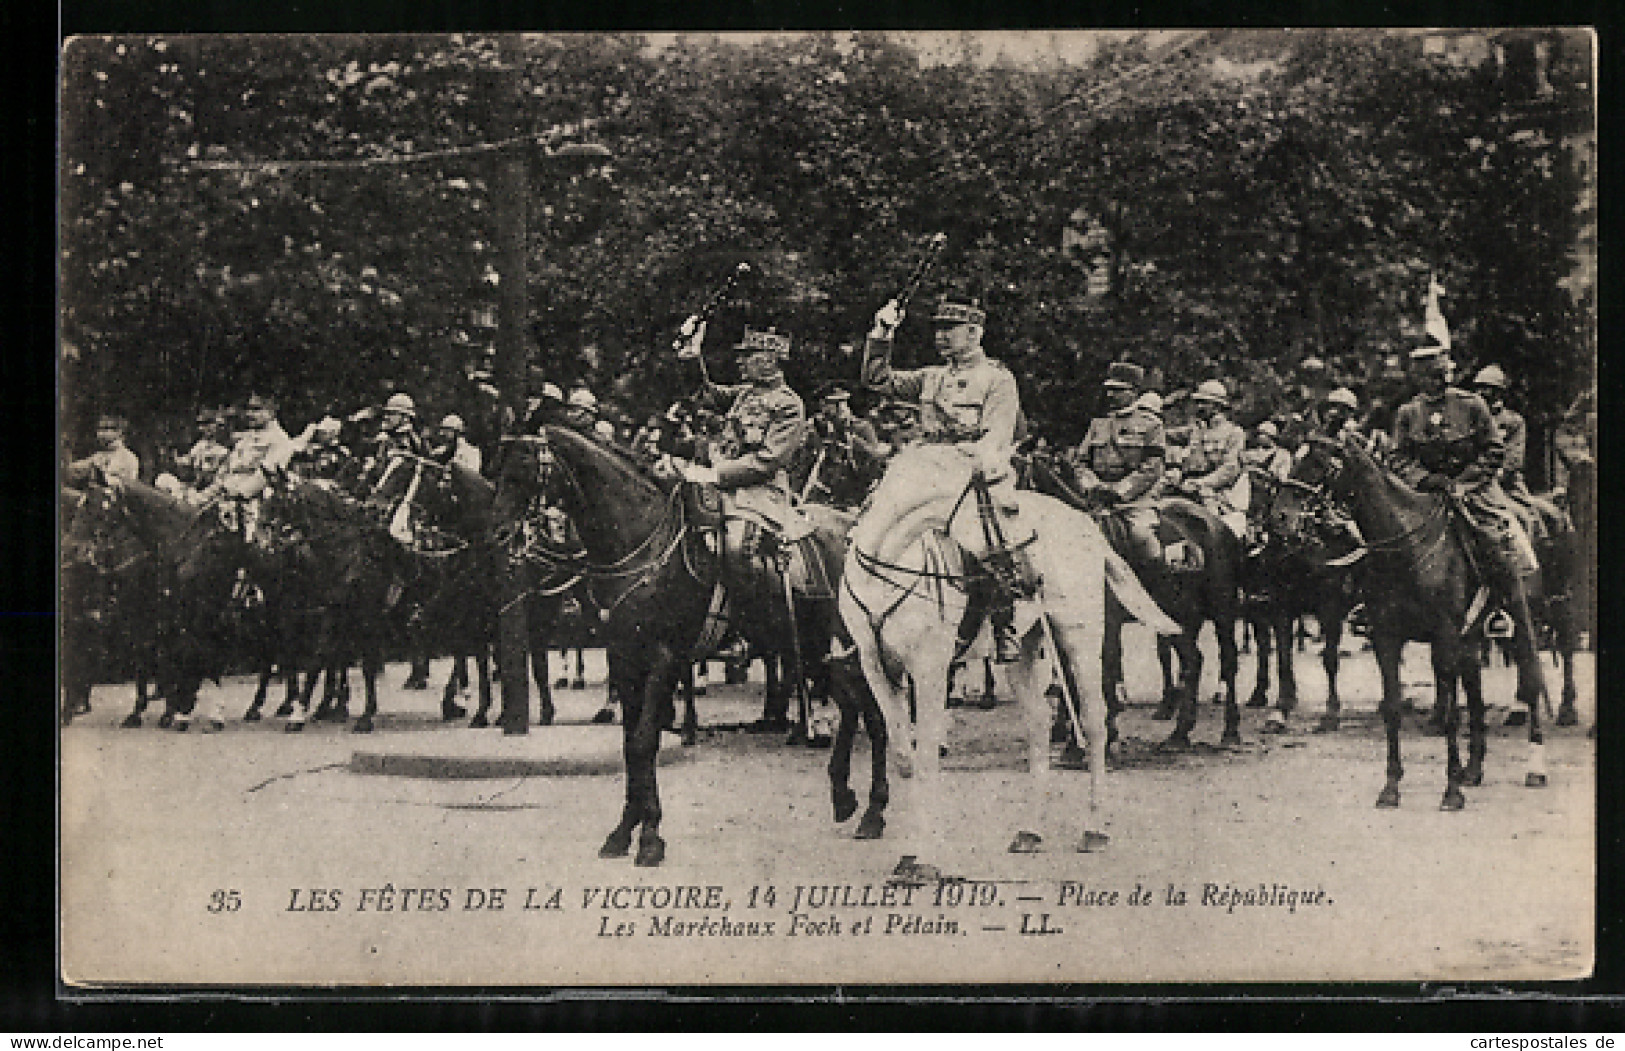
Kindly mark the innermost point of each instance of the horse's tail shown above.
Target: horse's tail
(1120, 577)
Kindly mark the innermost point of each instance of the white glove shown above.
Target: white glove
(693, 333)
(694, 472)
(887, 318)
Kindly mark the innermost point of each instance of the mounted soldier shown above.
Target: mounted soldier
(1265, 455)
(453, 447)
(258, 457)
(764, 425)
(845, 458)
(1540, 517)
(396, 433)
(1211, 471)
(319, 455)
(1121, 460)
(112, 462)
(200, 465)
(971, 403)
(1446, 441)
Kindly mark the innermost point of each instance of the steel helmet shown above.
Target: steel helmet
(1270, 429)
(452, 422)
(1150, 402)
(1491, 376)
(604, 429)
(1212, 390)
(1344, 397)
(551, 390)
(401, 403)
(582, 398)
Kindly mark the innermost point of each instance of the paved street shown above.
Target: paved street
(155, 823)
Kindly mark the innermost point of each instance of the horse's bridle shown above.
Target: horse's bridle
(1320, 493)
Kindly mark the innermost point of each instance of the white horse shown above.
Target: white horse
(903, 598)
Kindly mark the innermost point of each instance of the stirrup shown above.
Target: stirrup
(1499, 625)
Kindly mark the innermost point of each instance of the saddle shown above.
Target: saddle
(1143, 535)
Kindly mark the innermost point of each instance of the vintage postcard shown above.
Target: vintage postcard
(827, 508)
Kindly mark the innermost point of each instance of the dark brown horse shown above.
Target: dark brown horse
(1418, 576)
(1297, 565)
(652, 563)
(1192, 597)
(442, 515)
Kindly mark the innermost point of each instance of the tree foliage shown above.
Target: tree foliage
(1252, 198)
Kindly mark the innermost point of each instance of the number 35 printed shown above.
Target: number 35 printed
(225, 901)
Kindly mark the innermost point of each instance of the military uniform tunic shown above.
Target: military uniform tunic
(975, 403)
(118, 463)
(203, 461)
(1213, 459)
(1124, 450)
(1451, 434)
(243, 475)
(1514, 439)
(762, 430)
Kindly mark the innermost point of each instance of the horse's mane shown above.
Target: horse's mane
(605, 457)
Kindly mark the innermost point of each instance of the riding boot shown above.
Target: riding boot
(1006, 647)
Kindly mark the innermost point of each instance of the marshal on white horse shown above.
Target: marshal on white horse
(904, 594)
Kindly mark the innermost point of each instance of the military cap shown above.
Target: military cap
(582, 398)
(1150, 402)
(1211, 390)
(453, 422)
(1344, 397)
(756, 339)
(1490, 376)
(402, 403)
(552, 391)
(1269, 428)
(951, 313)
(259, 401)
(1124, 374)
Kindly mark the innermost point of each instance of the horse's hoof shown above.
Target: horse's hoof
(181, 726)
(1274, 723)
(618, 845)
(131, 721)
(450, 713)
(1472, 777)
(165, 721)
(515, 729)
(581, 684)
(1258, 700)
(1388, 798)
(651, 852)
(846, 804)
(1026, 843)
(548, 715)
(1177, 742)
(415, 683)
(1453, 799)
(796, 736)
(1071, 758)
(1092, 842)
(362, 725)
(1516, 717)
(1567, 716)
(1163, 713)
(1534, 780)
(479, 722)
(1433, 727)
(871, 826)
(562, 682)
(1232, 738)
(293, 728)
(252, 715)
(216, 725)
(604, 716)
(1328, 724)
(284, 710)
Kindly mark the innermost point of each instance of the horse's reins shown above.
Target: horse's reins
(875, 566)
(1387, 544)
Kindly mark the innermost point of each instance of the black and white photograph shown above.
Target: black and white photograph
(858, 508)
